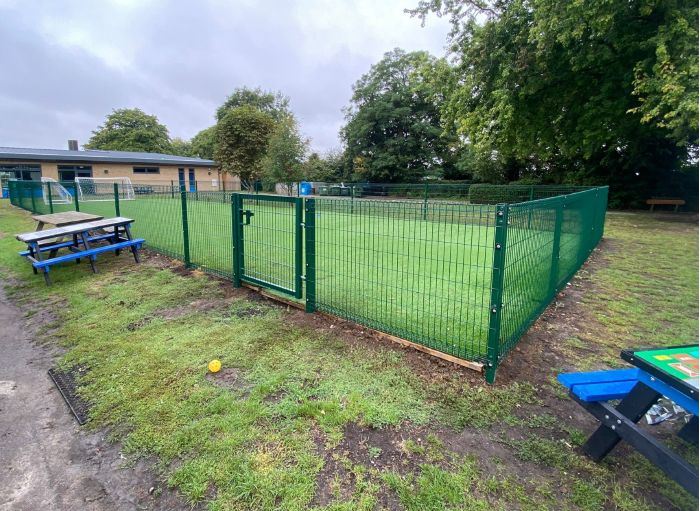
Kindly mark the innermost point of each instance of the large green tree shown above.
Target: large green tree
(130, 129)
(577, 91)
(203, 143)
(242, 137)
(272, 103)
(283, 161)
(393, 131)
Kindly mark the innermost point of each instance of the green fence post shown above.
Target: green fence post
(310, 239)
(425, 202)
(554, 272)
(185, 230)
(31, 194)
(496, 305)
(172, 189)
(116, 199)
(75, 196)
(48, 185)
(532, 192)
(196, 191)
(235, 221)
(298, 246)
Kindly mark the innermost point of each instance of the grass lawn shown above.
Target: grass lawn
(313, 413)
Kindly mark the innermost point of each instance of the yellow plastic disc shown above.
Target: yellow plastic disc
(214, 366)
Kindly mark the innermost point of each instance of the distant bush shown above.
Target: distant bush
(496, 194)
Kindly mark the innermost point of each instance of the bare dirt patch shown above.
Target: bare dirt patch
(231, 378)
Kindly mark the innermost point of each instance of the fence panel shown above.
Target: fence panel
(157, 212)
(548, 241)
(209, 231)
(380, 264)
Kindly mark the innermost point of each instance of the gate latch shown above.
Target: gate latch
(247, 214)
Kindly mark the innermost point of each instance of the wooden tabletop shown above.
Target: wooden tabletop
(68, 230)
(66, 218)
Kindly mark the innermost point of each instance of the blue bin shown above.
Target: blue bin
(5, 193)
(305, 188)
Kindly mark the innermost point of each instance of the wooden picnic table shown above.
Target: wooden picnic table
(82, 235)
(61, 220)
(64, 218)
(670, 372)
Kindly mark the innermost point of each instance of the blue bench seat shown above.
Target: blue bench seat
(91, 253)
(67, 244)
(595, 386)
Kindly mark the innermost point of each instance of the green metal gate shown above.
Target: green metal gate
(268, 244)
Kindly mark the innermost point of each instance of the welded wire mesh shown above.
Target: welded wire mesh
(547, 242)
(421, 275)
(269, 230)
(157, 215)
(465, 274)
(209, 231)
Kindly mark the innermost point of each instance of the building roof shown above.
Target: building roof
(97, 156)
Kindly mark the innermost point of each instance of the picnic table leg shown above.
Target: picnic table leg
(633, 406)
(116, 239)
(47, 279)
(32, 254)
(35, 254)
(134, 250)
(689, 432)
(75, 243)
(83, 236)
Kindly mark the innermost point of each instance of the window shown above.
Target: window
(146, 170)
(23, 171)
(70, 172)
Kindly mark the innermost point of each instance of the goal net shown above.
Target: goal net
(102, 188)
(54, 193)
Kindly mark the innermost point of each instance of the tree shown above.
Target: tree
(242, 137)
(393, 124)
(286, 149)
(272, 103)
(130, 129)
(181, 147)
(591, 92)
(203, 143)
(329, 167)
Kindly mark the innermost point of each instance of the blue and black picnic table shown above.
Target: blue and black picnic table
(115, 232)
(670, 372)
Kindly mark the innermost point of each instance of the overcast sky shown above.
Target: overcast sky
(66, 64)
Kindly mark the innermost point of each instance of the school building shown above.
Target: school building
(141, 168)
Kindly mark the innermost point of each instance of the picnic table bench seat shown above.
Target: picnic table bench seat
(596, 386)
(48, 246)
(90, 253)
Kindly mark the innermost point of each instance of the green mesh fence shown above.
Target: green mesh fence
(464, 273)
(421, 274)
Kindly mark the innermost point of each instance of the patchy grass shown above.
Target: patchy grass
(263, 433)
(646, 290)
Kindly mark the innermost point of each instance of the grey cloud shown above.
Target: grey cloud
(179, 60)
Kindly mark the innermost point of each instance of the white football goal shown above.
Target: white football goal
(102, 188)
(54, 193)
